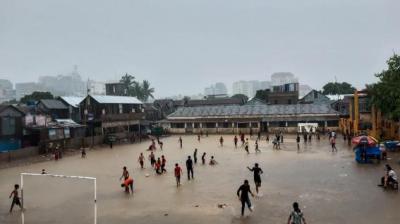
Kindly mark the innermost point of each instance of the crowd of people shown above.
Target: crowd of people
(159, 165)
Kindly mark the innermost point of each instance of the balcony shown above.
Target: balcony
(122, 117)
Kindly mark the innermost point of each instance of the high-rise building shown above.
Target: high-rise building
(6, 90)
(218, 89)
(281, 78)
(249, 88)
(64, 85)
(27, 88)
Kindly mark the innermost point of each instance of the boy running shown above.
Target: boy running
(257, 175)
(15, 200)
(243, 194)
(246, 146)
(152, 159)
(221, 141)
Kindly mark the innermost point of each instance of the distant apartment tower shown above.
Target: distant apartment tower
(218, 89)
(249, 88)
(61, 85)
(280, 78)
(6, 90)
(116, 89)
(27, 88)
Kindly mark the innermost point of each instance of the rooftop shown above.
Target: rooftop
(53, 104)
(252, 110)
(116, 99)
(72, 100)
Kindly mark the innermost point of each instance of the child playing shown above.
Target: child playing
(15, 200)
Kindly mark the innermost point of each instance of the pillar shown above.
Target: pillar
(356, 113)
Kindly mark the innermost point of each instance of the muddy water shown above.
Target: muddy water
(330, 187)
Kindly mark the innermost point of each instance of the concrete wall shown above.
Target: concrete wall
(19, 154)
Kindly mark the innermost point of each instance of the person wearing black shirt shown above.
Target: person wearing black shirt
(298, 142)
(189, 167)
(243, 194)
(257, 175)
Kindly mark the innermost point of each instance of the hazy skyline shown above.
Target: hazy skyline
(183, 46)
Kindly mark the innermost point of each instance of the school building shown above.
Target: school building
(248, 118)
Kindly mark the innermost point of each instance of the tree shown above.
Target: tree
(385, 94)
(262, 95)
(142, 91)
(36, 96)
(243, 97)
(334, 88)
(146, 91)
(129, 83)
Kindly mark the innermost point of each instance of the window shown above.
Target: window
(243, 125)
(120, 108)
(210, 125)
(177, 125)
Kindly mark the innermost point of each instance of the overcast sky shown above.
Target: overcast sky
(181, 46)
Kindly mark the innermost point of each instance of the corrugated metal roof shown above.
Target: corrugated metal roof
(72, 100)
(116, 99)
(252, 110)
(53, 104)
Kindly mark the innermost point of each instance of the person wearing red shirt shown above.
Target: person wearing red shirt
(178, 172)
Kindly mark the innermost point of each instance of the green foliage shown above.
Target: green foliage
(243, 97)
(262, 94)
(36, 96)
(334, 88)
(385, 94)
(142, 91)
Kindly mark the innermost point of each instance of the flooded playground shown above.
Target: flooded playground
(330, 187)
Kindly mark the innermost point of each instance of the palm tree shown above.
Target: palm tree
(129, 83)
(145, 91)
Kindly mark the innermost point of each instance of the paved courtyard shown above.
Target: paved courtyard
(330, 187)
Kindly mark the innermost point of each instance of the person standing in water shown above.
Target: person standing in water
(203, 158)
(296, 216)
(189, 167)
(163, 163)
(257, 175)
(180, 142)
(195, 156)
(235, 141)
(243, 194)
(141, 160)
(256, 145)
(178, 173)
(221, 141)
(298, 142)
(152, 159)
(15, 198)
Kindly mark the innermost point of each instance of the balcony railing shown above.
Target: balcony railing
(122, 117)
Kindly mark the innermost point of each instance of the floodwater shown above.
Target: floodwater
(330, 187)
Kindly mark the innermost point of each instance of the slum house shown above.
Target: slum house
(314, 96)
(55, 108)
(251, 118)
(72, 102)
(11, 127)
(120, 115)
